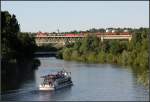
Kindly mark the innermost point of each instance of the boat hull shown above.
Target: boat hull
(64, 85)
(44, 89)
(47, 87)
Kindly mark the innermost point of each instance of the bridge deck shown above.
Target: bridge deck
(63, 39)
(82, 36)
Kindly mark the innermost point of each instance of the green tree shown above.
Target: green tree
(84, 46)
(94, 44)
(10, 28)
(101, 57)
(67, 53)
(114, 47)
(15, 44)
(75, 55)
(124, 57)
(91, 57)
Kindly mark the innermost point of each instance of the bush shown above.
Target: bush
(101, 57)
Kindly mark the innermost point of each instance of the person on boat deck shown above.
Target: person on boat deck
(50, 83)
(66, 73)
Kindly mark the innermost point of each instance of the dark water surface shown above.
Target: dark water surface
(92, 82)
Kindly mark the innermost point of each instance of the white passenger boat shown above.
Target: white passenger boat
(56, 81)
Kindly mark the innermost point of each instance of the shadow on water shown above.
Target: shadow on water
(15, 75)
(45, 54)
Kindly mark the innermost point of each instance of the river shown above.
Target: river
(92, 82)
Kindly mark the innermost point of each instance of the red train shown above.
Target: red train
(73, 35)
(40, 34)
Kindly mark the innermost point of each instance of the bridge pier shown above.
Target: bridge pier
(102, 38)
(63, 43)
(130, 39)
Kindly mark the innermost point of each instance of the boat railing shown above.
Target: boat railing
(59, 74)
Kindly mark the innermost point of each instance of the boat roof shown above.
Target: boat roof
(53, 75)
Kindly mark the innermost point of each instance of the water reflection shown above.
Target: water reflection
(21, 75)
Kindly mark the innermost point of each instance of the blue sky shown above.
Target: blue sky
(48, 16)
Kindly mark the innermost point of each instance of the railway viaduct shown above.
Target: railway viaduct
(40, 40)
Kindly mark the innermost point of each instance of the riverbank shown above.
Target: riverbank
(133, 53)
(142, 77)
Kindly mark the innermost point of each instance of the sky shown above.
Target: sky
(48, 16)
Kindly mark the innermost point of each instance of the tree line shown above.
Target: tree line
(15, 44)
(17, 48)
(95, 30)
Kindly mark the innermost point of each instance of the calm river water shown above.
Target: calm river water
(92, 82)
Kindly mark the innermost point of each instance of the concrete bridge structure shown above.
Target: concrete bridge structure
(40, 40)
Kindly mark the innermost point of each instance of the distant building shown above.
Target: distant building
(113, 31)
(108, 30)
(125, 30)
